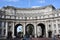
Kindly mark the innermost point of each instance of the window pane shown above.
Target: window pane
(0, 31)
(49, 26)
(4, 31)
(54, 25)
(0, 24)
(4, 24)
(59, 31)
(58, 25)
(54, 31)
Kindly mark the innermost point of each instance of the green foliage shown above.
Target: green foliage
(20, 34)
(30, 29)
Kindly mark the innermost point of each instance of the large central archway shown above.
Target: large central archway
(40, 30)
(18, 29)
(29, 29)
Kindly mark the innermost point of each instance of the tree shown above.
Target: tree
(30, 29)
(20, 34)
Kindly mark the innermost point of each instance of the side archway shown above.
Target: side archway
(18, 29)
(29, 29)
(49, 33)
(41, 30)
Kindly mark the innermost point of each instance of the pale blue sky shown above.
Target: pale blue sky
(19, 29)
(29, 3)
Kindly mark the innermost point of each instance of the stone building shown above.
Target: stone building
(42, 21)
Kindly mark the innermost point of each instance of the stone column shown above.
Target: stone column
(35, 30)
(39, 31)
(2, 28)
(6, 29)
(23, 29)
(46, 28)
(52, 29)
(13, 29)
(57, 27)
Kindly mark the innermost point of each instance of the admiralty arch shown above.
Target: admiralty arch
(39, 22)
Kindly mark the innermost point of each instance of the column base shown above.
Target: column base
(35, 36)
(13, 36)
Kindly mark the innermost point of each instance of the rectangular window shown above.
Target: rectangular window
(59, 14)
(4, 31)
(50, 15)
(54, 31)
(7, 16)
(12, 17)
(55, 15)
(58, 25)
(0, 31)
(0, 23)
(0, 16)
(49, 26)
(59, 31)
(4, 24)
(54, 25)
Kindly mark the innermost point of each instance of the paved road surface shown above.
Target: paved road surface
(32, 39)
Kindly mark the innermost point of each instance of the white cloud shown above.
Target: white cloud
(35, 6)
(11, 0)
(41, 1)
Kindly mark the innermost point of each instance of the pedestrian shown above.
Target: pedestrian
(54, 37)
(30, 37)
(26, 37)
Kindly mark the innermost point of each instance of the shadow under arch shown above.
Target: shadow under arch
(15, 29)
(42, 29)
(29, 29)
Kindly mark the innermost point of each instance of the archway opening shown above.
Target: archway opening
(18, 29)
(41, 30)
(29, 30)
(49, 34)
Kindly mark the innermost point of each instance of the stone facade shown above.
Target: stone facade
(47, 17)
